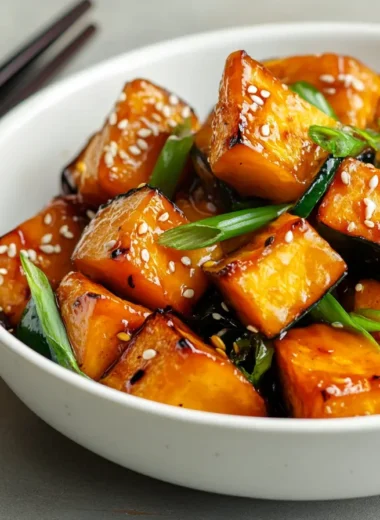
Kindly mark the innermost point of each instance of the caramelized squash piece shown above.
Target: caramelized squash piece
(123, 154)
(98, 323)
(352, 89)
(49, 239)
(276, 278)
(260, 143)
(166, 362)
(327, 373)
(119, 248)
(351, 206)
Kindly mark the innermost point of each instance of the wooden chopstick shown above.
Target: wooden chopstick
(41, 42)
(47, 72)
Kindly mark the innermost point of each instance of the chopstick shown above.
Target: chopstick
(47, 72)
(41, 42)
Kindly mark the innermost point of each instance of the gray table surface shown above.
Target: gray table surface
(43, 475)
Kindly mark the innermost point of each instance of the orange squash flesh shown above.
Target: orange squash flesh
(328, 373)
(273, 280)
(49, 238)
(94, 318)
(119, 249)
(260, 143)
(166, 362)
(352, 89)
(344, 207)
(123, 154)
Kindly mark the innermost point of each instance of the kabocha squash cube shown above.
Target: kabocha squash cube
(166, 362)
(327, 372)
(350, 212)
(98, 323)
(282, 272)
(260, 143)
(352, 89)
(119, 249)
(49, 239)
(123, 154)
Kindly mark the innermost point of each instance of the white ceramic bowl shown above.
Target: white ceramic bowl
(254, 457)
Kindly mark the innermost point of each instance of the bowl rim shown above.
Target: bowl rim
(143, 55)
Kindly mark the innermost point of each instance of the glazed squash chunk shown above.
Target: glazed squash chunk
(352, 89)
(327, 373)
(125, 151)
(351, 206)
(49, 239)
(98, 323)
(260, 143)
(272, 281)
(119, 249)
(166, 362)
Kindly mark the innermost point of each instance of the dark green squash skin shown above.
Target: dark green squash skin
(29, 331)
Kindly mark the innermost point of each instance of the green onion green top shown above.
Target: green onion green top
(172, 159)
(222, 227)
(51, 323)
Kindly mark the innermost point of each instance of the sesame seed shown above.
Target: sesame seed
(257, 100)
(90, 214)
(337, 325)
(192, 272)
(188, 293)
(123, 96)
(252, 89)
(123, 124)
(172, 123)
(145, 255)
(112, 118)
(369, 224)
(123, 336)
(110, 244)
(166, 111)
(164, 217)
(251, 328)
(123, 156)
(108, 159)
(370, 208)
(289, 237)
(156, 117)
(144, 132)
(143, 228)
(173, 99)
(12, 250)
(3, 270)
(265, 94)
(113, 148)
(171, 266)
(135, 150)
(32, 255)
(216, 316)
(327, 78)
(265, 130)
(208, 263)
(48, 219)
(46, 238)
(235, 346)
(283, 334)
(159, 106)
(48, 249)
(3, 249)
(149, 353)
(186, 112)
(1, 280)
(141, 185)
(345, 178)
(221, 352)
(143, 145)
(224, 307)
(359, 287)
(351, 226)
(218, 342)
(186, 260)
(211, 206)
(358, 84)
(374, 181)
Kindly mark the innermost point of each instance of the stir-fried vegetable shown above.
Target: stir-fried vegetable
(314, 97)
